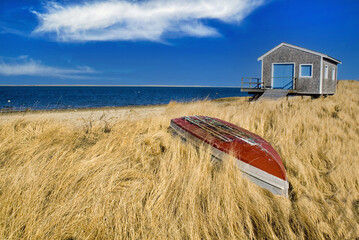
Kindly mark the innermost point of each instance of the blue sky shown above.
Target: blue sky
(166, 42)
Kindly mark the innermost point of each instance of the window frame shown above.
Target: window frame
(311, 70)
(326, 71)
(333, 73)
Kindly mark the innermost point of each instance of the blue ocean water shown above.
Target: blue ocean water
(67, 97)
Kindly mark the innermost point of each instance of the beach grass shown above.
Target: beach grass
(130, 178)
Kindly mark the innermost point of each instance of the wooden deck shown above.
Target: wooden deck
(262, 90)
(262, 93)
(256, 87)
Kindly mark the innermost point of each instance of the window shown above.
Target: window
(326, 72)
(306, 70)
(333, 73)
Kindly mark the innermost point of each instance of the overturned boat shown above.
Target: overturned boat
(254, 156)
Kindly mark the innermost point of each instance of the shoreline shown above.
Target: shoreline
(105, 108)
(83, 109)
(78, 116)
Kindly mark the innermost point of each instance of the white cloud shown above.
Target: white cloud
(25, 66)
(140, 20)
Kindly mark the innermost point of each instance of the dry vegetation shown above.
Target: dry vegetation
(130, 179)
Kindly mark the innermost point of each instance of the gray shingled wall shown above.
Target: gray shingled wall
(287, 54)
(329, 85)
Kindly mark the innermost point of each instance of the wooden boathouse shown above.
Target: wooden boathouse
(293, 70)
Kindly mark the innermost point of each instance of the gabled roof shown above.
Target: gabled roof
(299, 48)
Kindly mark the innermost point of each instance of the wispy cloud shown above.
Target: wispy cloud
(7, 30)
(25, 66)
(147, 20)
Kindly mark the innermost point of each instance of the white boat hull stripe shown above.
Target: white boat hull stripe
(261, 178)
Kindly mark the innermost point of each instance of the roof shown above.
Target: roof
(299, 48)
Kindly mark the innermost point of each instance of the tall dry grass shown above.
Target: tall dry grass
(131, 179)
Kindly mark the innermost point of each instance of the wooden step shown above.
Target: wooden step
(274, 94)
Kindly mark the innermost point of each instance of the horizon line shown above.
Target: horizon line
(124, 85)
(94, 85)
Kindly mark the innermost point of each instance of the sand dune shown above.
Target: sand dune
(119, 173)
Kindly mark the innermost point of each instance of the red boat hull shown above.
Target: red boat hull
(256, 158)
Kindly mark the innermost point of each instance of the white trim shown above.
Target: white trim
(262, 80)
(326, 71)
(298, 48)
(333, 73)
(300, 70)
(321, 76)
(273, 72)
(261, 178)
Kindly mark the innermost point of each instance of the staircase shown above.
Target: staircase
(273, 94)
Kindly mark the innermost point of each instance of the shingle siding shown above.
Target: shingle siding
(285, 54)
(329, 85)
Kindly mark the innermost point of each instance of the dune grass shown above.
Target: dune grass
(131, 179)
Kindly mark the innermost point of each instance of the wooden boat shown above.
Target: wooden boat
(254, 156)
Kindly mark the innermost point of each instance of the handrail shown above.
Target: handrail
(256, 82)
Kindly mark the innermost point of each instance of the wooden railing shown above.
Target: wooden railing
(257, 83)
(249, 82)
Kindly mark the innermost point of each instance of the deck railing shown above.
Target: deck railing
(257, 83)
(252, 83)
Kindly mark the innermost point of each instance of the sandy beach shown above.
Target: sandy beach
(77, 116)
(112, 114)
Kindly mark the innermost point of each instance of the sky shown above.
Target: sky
(166, 42)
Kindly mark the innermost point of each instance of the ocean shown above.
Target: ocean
(20, 98)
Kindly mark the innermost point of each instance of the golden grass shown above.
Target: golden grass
(131, 179)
